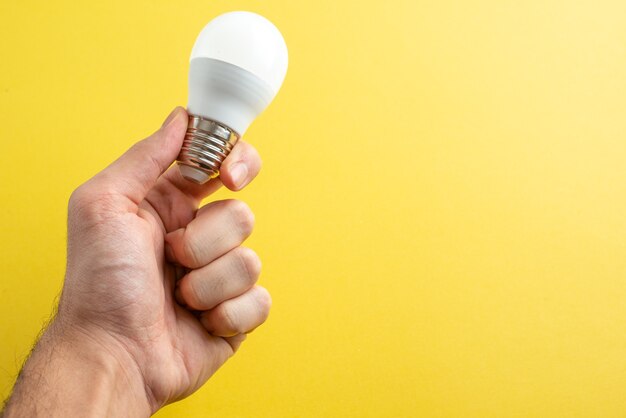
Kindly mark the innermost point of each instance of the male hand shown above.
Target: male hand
(158, 293)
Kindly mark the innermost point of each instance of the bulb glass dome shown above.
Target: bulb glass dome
(247, 40)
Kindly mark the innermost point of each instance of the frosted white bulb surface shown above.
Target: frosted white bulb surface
(248, 41)
(237, 66)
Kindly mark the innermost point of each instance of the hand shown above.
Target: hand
(157, 291)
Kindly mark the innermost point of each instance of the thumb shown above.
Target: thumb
(134, 173)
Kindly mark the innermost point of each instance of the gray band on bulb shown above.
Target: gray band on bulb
(226, 93)
(206, 145)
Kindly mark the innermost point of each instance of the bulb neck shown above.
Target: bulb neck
(207, 143)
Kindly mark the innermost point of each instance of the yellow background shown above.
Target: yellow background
(441, 213)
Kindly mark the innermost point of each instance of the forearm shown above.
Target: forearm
(71, 374)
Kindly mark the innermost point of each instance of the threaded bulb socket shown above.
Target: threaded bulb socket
(207, 143)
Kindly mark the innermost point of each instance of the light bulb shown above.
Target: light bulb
(237, 66)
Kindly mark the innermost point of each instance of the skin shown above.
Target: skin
(158, 293)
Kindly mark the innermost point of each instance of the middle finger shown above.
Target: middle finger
(217, 228)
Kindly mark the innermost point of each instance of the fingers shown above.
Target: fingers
(240, 167)
(176, 199)
(227, 277)
(238, 315)
(218, 228)
(134, 173)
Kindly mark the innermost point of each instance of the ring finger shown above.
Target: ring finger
(227, 277)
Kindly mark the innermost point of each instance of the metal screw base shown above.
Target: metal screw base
(207, 143)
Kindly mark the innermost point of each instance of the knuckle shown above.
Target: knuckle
(82, 198)
(91, 203)
(78, 197)
(250, 262)
(264, 302)
(242, 216)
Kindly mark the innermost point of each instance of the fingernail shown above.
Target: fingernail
(239, 174)
(171, 117)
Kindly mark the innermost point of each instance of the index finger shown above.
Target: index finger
(176, 199)
(238, 169)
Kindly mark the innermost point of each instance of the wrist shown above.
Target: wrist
(76, 371)
(114, 365)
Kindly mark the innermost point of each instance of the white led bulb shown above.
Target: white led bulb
(237, 66)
